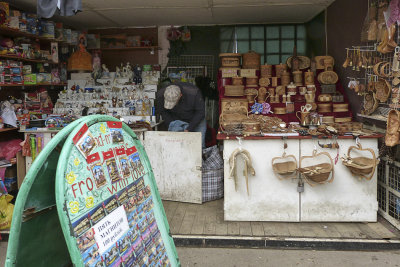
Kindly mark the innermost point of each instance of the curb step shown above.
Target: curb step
(288, 243)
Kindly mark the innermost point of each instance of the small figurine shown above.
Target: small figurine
(118, 73)
(114, 102)
(106, 72)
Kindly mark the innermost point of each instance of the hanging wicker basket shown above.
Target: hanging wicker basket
(319, 173)
(285, 167)
(362, 167)
(392, 136)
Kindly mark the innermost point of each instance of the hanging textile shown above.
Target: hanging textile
(47, 8)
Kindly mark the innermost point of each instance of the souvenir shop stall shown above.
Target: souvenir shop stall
(51, 75)
(292, 151)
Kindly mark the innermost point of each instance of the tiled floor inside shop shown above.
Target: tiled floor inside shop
(208, 220)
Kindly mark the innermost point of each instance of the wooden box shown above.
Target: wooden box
(234, 105)
(229, 72)
(328, 88)
(247, 72)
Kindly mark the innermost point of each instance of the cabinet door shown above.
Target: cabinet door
(269, 198)
(176, 161)
(346, 199)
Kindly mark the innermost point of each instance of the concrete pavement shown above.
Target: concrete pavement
(228, 257)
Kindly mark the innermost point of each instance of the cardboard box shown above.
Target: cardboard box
(30, 78)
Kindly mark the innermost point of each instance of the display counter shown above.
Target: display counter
(345, 199)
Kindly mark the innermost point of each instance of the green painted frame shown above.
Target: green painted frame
(60, 189)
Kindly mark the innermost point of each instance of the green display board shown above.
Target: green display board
(107, 203)
(107, 200)
(36, 238)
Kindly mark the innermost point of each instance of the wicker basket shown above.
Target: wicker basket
(229, 72)
(264, 81)
(392, 136)
(234, 90)
(344, 119)
(251, 127)
(361, 167)
(251, 95)
(337, 97)
(370, 103)
(383, 89)
(252, 81)
(285, 166)
(324, 107)
(279, 110)
(309, 77)
(298, 77)
(319, 173)
(285, 78)
(342, 107)
(320, 61)
(327, 119)
(251, 60)
(234, 105)
(304, 62)
(324, 98)
(266, 71)
(291, 89)
(328, 77)
(237, 81)
(262, 95)
(247, 72)
(280, 90)
(230, 59)
(279, 69)
(328, 88)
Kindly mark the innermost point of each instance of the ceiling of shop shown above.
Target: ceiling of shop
(136, 13)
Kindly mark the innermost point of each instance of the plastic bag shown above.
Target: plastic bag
(6, 211)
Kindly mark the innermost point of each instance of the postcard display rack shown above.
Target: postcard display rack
(108, 205)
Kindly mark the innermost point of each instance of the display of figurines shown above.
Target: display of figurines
(298, 77)
(114, 102)
(120, 103)
(105, 71)
(309, 77)
(137, 78)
